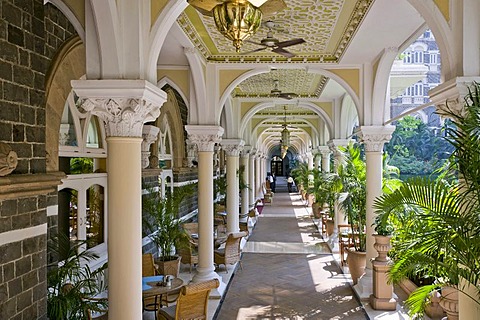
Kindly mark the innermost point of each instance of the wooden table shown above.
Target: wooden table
(152, 286)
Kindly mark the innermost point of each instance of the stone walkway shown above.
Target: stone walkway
(288, 270)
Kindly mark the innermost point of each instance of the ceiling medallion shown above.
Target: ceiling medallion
(237, 20)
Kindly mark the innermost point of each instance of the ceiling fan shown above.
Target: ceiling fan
(276, 92)
(274, 44)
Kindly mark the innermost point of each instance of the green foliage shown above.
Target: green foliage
(242, 184)
(220, 188)
(301, 174)
(163, 222)
(353, 196)
(81, 165)
(438, 221)
(415, 149)
(71, 282)
(325, 189)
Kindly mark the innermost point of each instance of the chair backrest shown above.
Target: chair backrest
(192, 302)
(148, 265)
(190, 227)
(232, 247)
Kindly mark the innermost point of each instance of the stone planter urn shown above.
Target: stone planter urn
(316, 210)
(356, 261)
(171, 267)
(449, 302)
(382, 245)
(330, 227)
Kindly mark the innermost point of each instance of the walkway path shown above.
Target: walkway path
(288, 270)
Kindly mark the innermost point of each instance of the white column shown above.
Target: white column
(251, 178)
(232, 148)
(325, 153)
(123, 105)
(245, 192)
(205, 138)
(309, 160)
(373, 137)
(259, 176)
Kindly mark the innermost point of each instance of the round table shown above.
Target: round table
(156, 288)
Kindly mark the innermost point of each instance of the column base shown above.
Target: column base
(383, 304)
(364, 287)
(205, 276)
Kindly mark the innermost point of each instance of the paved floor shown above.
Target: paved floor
(288, 270)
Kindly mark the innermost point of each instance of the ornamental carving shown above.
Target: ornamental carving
(204, 142)
(123, 117)
(374, 137)
(232, 148)
(8, 159)
(149, 135)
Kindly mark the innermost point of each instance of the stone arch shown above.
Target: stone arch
(68, 64)
(171, 110)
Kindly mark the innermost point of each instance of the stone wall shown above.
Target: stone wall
(30, 35)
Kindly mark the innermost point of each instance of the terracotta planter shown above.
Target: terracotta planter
(169, 267)
(433, 309)
(382, 245)
(304, 195)
(330, 227)
(449, 302)
(356, 264)
(311, 199)
(316, 210)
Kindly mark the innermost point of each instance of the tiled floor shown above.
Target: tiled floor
(288, 272)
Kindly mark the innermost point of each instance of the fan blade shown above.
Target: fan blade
(288, 96)
(253, 42)
(253, 51)
(289, 43)
(283, 52)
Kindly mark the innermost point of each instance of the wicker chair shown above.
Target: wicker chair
(231, 253)
(149, 269)
(101, 313)
(189, 254)
(192, 303)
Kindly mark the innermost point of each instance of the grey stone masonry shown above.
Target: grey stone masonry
(31, 33)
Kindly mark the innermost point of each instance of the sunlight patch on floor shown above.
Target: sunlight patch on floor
(284, 247)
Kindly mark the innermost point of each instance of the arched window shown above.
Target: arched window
(82, 203)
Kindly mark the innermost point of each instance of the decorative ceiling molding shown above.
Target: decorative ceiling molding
(327, 26)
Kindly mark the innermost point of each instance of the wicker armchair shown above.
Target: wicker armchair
(149, 269)
(189, 254)
(192, 303)
(231, 253)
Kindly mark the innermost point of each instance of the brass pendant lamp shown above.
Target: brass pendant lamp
(237, 20)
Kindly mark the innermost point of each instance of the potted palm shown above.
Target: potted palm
(163, 223)
(440, 219)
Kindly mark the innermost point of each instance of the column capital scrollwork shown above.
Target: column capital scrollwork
(335, 143)
(449, 95)
(149, 136)
(204, 137)
(324, 150)
(374, 137)
(232, 146)
(123, 105)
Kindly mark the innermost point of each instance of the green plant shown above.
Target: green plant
(301, 174)
(71, 282)
(438, 221)
(220, 188)
(162, 220)
(325, 189)
(383, 228)
(352, 188)
(242, 184)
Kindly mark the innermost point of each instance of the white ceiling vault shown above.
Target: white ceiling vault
(331, 30)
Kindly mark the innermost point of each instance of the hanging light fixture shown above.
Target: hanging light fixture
(285, 136)
(237, 20)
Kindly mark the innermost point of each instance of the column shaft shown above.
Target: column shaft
(232, 194)
(259, 177)
(124, 228)
(245, 192)
(251, 178)
(205, 215)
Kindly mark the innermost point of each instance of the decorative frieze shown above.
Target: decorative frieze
(123, 105)
(374, 137)
(149, 135)
(232, 146)
(8, 159)
(204, 137)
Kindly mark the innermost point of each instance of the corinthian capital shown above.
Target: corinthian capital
(374, 137)
(204, 137)
(232, 146)
(123, 105)
(149, 135)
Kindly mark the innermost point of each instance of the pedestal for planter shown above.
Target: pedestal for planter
(449, 302)
(382, 297)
